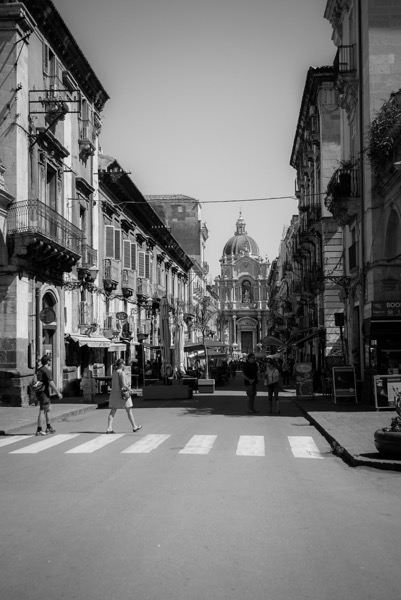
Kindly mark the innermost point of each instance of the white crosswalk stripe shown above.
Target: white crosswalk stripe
(12, 439)
(49, 442)
(251, 445)
(248, 445)
(95, 444)
(304, 447)
(199, 444)
(146, 444)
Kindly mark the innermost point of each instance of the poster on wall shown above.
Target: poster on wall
(344, 385)
(386, 387)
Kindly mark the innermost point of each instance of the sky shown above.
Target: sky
(204, 101)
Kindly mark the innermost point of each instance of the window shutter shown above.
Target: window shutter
(147, 266)
(109, 241)
(45, 57)
(133, 257)
(141, 264)
(127, 254)
(117, 245)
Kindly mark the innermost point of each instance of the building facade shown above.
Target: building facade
(363, 194)
(84, 260)
(243, 292)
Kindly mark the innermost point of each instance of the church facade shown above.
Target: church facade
(242, 288)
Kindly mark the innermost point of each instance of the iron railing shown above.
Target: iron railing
(345, 60)
(127, 279)
(35, 217)
(89, 256)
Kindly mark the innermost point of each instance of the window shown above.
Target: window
(113, 242)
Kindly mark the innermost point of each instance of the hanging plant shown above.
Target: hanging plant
(384, 132)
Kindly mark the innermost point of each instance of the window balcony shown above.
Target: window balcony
(39, 233)
(144, 287)
(111, 274)
(343, 194)
(345, 60)
(127, 283)
(87, 138)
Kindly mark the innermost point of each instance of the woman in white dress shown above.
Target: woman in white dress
(119, 384)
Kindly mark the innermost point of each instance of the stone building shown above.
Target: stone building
(363, 192)
(50, 102)
(243, 292)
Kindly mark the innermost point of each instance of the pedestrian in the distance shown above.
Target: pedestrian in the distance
(119, 389)
(271, 380)
(43, 386)
(250, 372)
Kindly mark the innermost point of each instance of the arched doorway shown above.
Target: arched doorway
(48, 317)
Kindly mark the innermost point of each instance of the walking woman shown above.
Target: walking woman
(119, 385)
(272, 377)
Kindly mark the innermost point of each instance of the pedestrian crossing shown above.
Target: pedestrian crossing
(245, 446)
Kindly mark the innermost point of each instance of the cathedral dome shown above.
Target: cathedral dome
(241, 242)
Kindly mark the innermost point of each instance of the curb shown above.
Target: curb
(55, 418)
(350, 459)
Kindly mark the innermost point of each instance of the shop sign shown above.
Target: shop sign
(121, 316)
(390, 309)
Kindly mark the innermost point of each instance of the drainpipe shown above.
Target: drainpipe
(362, 188)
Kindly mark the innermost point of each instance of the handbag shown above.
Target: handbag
(126, 394)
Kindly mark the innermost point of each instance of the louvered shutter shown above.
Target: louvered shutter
(117, 244)
(127, 254)
(141, 264)
(147, 266)
(109, 241)
(133, 257)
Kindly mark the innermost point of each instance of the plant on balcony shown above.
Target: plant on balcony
(384, 132)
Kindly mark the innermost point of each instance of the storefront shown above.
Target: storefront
(383, 338)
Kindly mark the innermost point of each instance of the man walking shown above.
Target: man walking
(250, 371)
(44, 384)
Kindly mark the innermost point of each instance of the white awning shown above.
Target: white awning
(92, 342)
(116, 347)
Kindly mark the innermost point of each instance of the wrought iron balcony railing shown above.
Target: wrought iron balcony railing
(34, 218)
(89, 257)
(345, 60)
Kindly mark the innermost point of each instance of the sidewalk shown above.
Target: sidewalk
(348, 427)
(14, 418)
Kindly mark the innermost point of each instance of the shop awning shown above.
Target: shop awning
(117, 347)
(310, 336)
(92, 342)
(198, 346)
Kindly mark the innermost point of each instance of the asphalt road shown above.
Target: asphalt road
(235, 514)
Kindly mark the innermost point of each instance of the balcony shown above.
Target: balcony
(40, 234)
(343, 194)
(144, 287)
(158, 290)
(127, 283)
(87, 138)
(111, 274)
(345, 60)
